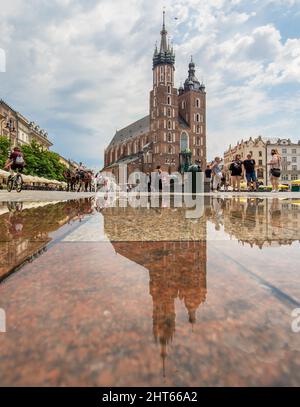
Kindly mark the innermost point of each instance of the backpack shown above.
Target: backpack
(19, 160)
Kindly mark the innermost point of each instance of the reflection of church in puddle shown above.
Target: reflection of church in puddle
(177, 269)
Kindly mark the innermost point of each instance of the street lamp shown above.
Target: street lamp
(9, 125)
(11, 128)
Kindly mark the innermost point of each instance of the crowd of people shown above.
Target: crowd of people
(223, 176)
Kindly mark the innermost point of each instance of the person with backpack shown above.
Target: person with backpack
(236, 169)
(16, 160)
(249, 166)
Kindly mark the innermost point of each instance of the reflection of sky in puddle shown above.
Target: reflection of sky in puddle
(125, 294)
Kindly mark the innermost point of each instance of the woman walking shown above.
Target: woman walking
(236, 169)
(217, 173)
(275, 169)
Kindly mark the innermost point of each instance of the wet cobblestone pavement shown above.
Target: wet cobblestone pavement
(148, 296)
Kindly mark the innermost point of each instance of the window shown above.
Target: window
(284, 151)
(294, 177)
(294, 167)
(169, 89)
(169, 125)
(260, 173)
(169, 112)
(183, 104)
(197, 117)
(294, 159)
(198, 141)
(197, 103)
(198, 129)
(260, 153)
(285, 177)
(198, 152)
(170, 150)
(184, 141)
(294, 151)
(169, 137)
(260, 162)
(169, 100)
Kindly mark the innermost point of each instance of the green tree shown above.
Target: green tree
(39, 162)
(4, 150)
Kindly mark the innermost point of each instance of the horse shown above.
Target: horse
(84, 180)
(70, 178)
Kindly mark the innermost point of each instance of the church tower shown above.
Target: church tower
(192, 108)
(164, 107)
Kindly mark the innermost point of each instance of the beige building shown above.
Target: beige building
(19, 129)
(261, 148)
(256, 147)
(290, 153)
(72, 165)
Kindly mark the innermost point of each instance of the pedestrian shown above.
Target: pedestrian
(159, 175)
(208, 172)
(275, 169)
(236, 169)
(217, 173)
(148, 181)
(249, 166)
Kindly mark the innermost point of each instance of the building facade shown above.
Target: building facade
(174, 133)
(290, 153)
(261, 148)
(257, 148)
(19, 129)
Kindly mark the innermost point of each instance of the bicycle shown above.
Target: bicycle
(15, 181)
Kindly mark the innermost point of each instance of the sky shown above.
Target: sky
(82, 69)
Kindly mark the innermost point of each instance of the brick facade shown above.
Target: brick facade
(175, 127)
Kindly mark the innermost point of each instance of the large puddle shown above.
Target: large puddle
(124, 296)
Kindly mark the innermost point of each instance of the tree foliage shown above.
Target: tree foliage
(4, 150)
(39, 162)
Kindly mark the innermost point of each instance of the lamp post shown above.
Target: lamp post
(9, 125)
(11, 128)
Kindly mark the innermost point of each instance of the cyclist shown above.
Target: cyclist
(16, 161)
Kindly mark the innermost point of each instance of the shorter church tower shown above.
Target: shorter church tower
(192, 109)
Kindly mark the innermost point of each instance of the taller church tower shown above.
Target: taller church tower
(164, 106)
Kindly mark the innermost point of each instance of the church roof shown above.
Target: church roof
(141, 126)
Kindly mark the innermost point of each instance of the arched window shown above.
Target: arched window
(169, 112)
(169, 100)
(170, 150)
(184, 141)
(169, 125)
(198, 141)
(169, 89)
(169, 137)
(198, 104)
(197, 117)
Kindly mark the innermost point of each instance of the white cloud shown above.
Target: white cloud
(83, 68)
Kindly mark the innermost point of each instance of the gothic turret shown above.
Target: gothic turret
(165, 55)
(192, 83)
